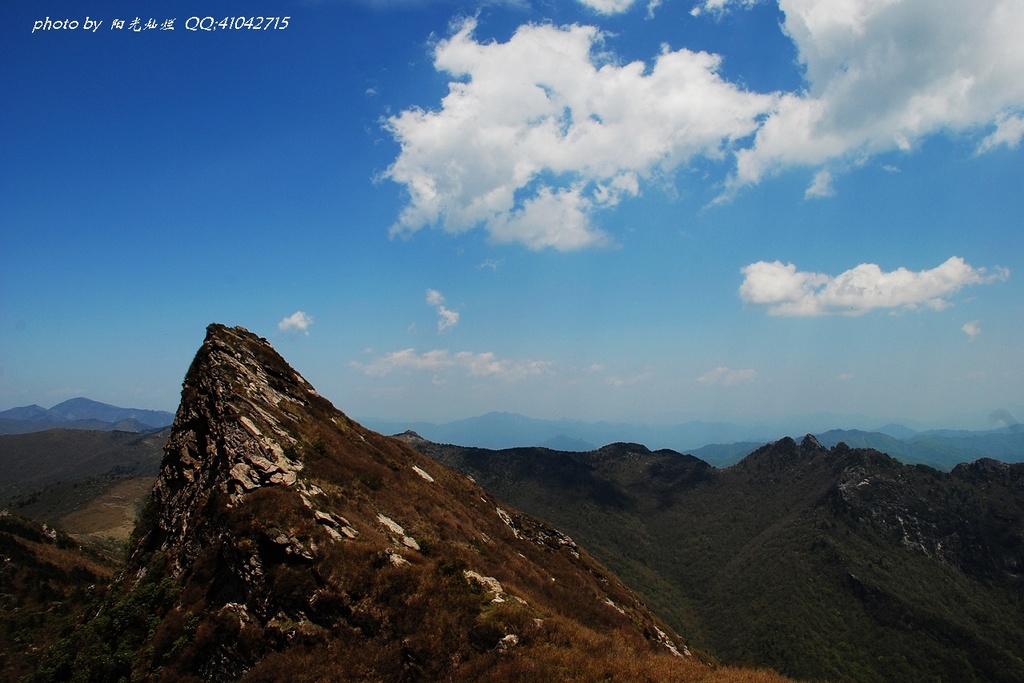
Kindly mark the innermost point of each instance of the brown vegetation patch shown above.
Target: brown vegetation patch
(112, 514)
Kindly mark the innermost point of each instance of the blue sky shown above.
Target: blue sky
(602, 210)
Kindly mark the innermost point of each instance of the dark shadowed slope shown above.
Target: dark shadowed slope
(32, 461)
(839, 564)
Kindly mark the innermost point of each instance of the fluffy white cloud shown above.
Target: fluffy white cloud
(485, 364)
(434, 297)
(971, 329)
(727, 377)
(296, 322)
(540, 132)
(882, 74)
(788, 291)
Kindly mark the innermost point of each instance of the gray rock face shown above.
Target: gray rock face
(227, 436)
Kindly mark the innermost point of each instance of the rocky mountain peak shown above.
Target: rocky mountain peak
(810, 445)
(236, 430)
(282, 537)
(786, 454)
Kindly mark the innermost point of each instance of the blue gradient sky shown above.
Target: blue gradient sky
(605, 211)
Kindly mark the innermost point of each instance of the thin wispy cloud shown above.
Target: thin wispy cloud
(640, 377)
(485, 365)
(446, 318)
(298, 321)
(608, 6)
(821, 186)
(786, 291)
(719, 7)
(972, 329)
(1009, 130)
(727, 377)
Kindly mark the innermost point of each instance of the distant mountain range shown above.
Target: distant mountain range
(510, 430)
(82, 413)
(718, 443)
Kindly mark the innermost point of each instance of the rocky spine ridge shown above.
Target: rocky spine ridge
(282, 536)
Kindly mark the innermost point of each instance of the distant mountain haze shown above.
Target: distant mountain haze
(719, 443)
(82, 413)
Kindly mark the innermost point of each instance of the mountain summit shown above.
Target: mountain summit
(283, 541)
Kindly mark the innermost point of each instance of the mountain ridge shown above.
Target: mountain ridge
(720, 443)
(284, 540)
(832, 563)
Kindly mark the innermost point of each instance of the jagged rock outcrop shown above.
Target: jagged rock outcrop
(284, 541)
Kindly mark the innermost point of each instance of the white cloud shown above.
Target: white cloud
(446, 318)
(972, 329)
(1009, 131)
(608, 6)
(296, 322)
(787, 291)
(882, 74)
(719, 7)
(539, 133)
(486, 364)
(727, 377)
(821, 186)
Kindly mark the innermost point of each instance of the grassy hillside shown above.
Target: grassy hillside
(47, 587)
